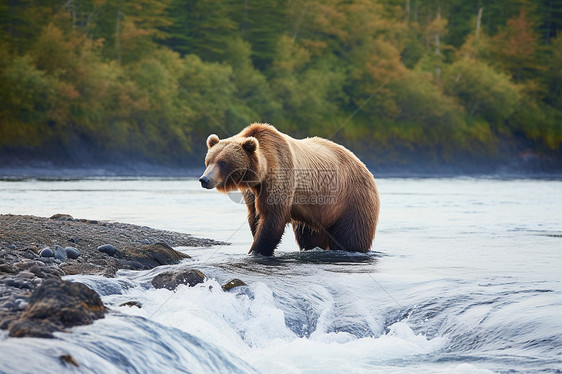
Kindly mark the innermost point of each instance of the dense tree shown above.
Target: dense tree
(404, 80)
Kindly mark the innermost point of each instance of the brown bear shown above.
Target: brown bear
(321, 188)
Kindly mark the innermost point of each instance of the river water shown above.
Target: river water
(465, 276)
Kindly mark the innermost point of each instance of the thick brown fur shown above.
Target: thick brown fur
(320, 187)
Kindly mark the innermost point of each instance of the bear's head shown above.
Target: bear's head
(232, 163)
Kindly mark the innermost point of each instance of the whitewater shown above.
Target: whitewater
(464, 277)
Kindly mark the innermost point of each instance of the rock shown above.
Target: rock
(72, 252)
(107, 248)
(56, 305)
(31, 234)
(60, 253)
(16, 282)
(28, 255)
(35, 269)
(61, 216)
(32, 248)
(232, 284)
(5, 268)
(145, 241)
(47, 252)
(11, 246)
(132, 304)
(172, 279)
(150, 256)
(26, 274)
(76, 267)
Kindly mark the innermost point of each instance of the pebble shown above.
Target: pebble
(107, 248)
(145, 241)
(5, 268)
(21, 303)
(47, 252)
(60, 253)
(72, 252)
(26, 274)
(11, 246)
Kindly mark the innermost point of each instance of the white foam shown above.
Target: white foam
(469, 369)
(254, 328)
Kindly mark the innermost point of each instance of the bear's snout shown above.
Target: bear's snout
(205, 182)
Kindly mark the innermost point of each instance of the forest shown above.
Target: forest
(421, 84)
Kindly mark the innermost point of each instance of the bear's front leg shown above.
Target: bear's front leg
(253, 216)
(269, 231)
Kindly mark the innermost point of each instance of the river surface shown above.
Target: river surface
(465, 276)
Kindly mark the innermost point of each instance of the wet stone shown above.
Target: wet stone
(132, 304)
(47, 252)
(72, 252)
(172, 279)
(233, 284)
(107, 248)
(150, 256)
(60, 253)
(56, 305)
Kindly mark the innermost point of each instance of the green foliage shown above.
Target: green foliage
(24, 104)
(540, 123)
(401, 79)
(254, 101)
(484, 92)
(202, 27)
(554, 74)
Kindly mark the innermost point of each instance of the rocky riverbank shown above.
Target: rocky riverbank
(35, 252)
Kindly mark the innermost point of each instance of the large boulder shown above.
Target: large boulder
(56, 305)
(172, 279)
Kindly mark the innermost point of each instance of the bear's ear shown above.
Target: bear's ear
(250, 144)
(212, 140)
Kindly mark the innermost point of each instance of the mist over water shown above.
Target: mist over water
(464, 277)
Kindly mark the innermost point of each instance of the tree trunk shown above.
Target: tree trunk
(118, 37)
(11, 26)
(549, 22)
(478, 21)
(407, 11)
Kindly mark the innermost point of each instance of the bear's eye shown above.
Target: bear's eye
(221, 163)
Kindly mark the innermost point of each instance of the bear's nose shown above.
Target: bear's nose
(204, 182)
